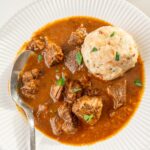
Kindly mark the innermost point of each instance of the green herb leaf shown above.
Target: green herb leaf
(88, 117)
(75, 90)
(137, 82)
(61, 81)
(112, 34)
(40, 58)
(79, 58)
(117, 57)
(94, 49)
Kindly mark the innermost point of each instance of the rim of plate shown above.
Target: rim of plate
(37, 1)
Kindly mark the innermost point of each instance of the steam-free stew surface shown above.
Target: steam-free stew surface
(59, 33)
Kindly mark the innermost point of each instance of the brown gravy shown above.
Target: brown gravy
(59, 32)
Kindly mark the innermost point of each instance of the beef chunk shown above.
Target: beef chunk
(59, 126)
(85, 81)
(64, 112)
(53, 54)
(37, 43)
(36, 73)
(77, 37)
(65, 121)
(118, 92)
(30, 75)
(43, 110)
(73, 90)
(69, 127)
(56, 125)
(70, 121)
(56, 92)
(87, 86)
(90, 91)
(30, 83)
(29, 89)
(70, 60)
(27, 76)
(88, 109)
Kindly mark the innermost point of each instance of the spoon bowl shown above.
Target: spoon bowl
(14, 83)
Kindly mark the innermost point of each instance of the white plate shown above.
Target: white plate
(13, 129)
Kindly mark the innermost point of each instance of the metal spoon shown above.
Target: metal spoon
(14, 82)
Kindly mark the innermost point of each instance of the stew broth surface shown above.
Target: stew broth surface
(59, 32)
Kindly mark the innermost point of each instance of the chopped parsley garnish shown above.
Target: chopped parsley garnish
(112, 34)
(94, 49)
(40, 58)
(61, 81)
(79, 58)
(137, 82)
(88, 117)
(117, 56)
(75, 90)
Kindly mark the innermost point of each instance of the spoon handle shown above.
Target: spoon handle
(32, 129)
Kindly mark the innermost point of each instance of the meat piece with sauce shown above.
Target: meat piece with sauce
(53, 54)
(44, 110)
(29, 89)
(30, 83)
(56, 125)
(56, 92)
(69, 127)
(88, 89)
(64, 121)
(71, 62)
(37, 43)
(70, 121)
(88, 109)
(30, 75)
(91, 91)
(77, 37)
(64, 112)
(73, 90)
(85, 81)
(118, 92)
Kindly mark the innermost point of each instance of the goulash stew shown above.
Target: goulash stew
(84, 80)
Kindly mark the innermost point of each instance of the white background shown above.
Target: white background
(9, 7)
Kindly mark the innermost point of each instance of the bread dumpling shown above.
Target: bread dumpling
(108, 52)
